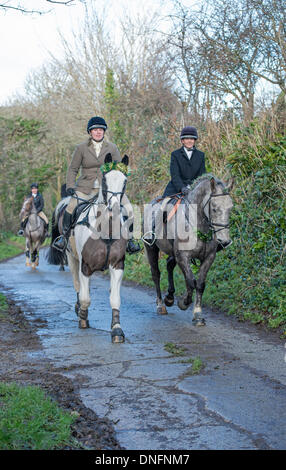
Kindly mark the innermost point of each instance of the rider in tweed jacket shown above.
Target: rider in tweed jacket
(88, 157)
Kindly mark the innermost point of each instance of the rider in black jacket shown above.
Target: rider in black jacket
(187, 163)
(39, 204)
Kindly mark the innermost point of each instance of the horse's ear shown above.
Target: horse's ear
(108, 158)
(125, 160)
(212, 182)
(230, 185)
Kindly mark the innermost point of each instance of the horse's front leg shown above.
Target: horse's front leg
(73, 264)
(35, 255)
(198, 319)
(116, 275)
(153, 258)
(27, 252)
(169, 298)
(84, 300)
(183, 261)
(37, 250)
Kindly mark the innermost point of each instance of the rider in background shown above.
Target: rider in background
(187, 163)
(39, 205)
(88, 157)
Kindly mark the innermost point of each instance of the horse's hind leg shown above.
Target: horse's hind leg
(169, 298)
(117, 335)
(153, 258)
(186, 300)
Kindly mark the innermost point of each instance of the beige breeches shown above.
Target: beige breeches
(40, 214)
(43, 216)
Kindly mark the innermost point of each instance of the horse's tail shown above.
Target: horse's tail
(53, 255)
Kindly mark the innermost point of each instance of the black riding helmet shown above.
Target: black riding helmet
(189, 132)
(95, 123)
(34, 185)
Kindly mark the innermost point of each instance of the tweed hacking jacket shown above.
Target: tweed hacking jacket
(184, 171)
(84, 158)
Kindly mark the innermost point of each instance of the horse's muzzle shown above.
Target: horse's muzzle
(224, 244)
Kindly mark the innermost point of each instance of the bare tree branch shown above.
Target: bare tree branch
(21, 7)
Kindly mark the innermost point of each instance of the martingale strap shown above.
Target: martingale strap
(174, 210)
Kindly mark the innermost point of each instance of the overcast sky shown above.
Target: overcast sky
(27, 39)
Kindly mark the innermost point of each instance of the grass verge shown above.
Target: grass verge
(29, 420)
(10, 245)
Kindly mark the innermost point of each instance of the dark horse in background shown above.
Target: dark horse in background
(34, 231)
(195, 229)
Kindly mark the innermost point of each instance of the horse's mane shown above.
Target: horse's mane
(28, 201)
(205, 177)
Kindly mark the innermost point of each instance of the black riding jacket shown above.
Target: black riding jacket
(184, 171)
(38, 201)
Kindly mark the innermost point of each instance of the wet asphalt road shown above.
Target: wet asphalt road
(237, 401)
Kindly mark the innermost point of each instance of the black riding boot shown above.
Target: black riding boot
(47, 230)
(60, 243)
(22, 225)
(132, 247)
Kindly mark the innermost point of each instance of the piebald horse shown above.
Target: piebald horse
(97, 242)
(196, 230)
(34, 231)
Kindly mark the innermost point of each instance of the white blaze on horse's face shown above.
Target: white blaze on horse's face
(115, 186)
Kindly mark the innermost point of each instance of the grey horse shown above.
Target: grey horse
(34, 232)
(195, 228)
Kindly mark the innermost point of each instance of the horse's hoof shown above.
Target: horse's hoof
(169, 301)
(199, 322)
(83, 324)
(117, 335)
(61, 268)
(161, 310)
(182, 305)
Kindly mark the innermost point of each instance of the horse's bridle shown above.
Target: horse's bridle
(93, 200)
(113, 193)
(212, 225)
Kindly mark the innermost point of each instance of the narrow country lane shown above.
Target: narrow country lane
(155, 401)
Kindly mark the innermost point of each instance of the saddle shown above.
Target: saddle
(175, 200)
(80, 208)
(83, 206)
